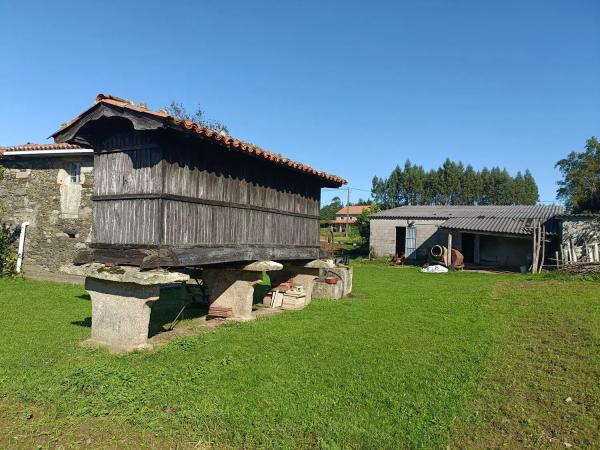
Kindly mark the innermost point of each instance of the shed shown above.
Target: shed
(487, 235)
(172, 193)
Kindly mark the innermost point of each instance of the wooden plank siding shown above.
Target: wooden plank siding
(201, 202)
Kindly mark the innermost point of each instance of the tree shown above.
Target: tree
(470, 186)
(179, 111)
(453, 184)
(530, 194)
(363, 221)
(327, 212)
(580, 186)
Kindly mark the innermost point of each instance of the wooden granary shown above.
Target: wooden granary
(172, 193)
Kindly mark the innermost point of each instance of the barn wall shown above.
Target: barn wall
(246, 200)
(383, 236)
(154, 189)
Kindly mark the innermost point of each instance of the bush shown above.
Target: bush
(363, 222)
(8, 250)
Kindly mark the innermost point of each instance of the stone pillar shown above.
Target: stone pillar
(230, 292)
(231, 289)
(122, 298)
(120, 313)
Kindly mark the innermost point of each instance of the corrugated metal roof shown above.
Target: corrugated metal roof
(508, 225)
(507, 219)
(483, 211)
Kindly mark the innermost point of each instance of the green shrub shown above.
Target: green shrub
(8, 250)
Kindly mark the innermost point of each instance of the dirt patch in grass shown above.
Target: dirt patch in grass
(542, 387)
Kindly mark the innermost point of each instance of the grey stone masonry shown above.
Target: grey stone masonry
(39, 190)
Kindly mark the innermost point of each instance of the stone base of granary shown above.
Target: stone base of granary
(341, 289)
(120, 314)
(231, 290)
(122, 299)
(328, 291)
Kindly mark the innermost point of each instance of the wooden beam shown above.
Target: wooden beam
(182, 256)
(449, 249)
(202, 201)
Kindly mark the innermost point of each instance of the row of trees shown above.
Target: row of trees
(453, 184)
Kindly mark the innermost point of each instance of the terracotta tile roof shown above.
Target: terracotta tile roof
(352, 210)
(214, 136)
(35, 147)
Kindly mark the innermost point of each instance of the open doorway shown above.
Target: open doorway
(468, 247)
(400, 240)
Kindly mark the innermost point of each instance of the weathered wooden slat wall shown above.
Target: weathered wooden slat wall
(191, 223)
(176, 193)
(217, 174)
(127, 222)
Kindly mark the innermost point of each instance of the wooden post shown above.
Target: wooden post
(596, 252)
(557, 260)
(449, 257)
(347, 211)
(543, 244)
(534, 251)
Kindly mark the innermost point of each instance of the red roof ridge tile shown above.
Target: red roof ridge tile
(203, 131)
(34, 147)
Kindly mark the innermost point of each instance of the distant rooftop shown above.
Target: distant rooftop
(352, 209)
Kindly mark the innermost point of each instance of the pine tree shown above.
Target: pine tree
(531, 189)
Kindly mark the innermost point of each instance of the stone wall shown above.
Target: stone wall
(39, 190)
(383, 236)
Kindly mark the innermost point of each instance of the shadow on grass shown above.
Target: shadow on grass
(171, 303)
(87, 322)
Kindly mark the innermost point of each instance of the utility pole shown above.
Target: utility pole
(347, 211)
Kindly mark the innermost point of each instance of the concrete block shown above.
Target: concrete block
(308, 281)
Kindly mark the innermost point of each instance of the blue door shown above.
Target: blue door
(411, 242)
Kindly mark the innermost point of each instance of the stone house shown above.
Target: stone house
(488, 236)
(48, 186)
(346, 216)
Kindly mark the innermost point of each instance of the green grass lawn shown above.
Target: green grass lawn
(414, 360)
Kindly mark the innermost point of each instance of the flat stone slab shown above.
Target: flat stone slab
(320, 264)
(125, 274)
(263, 266)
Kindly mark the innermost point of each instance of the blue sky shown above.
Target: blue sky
(350, 87)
